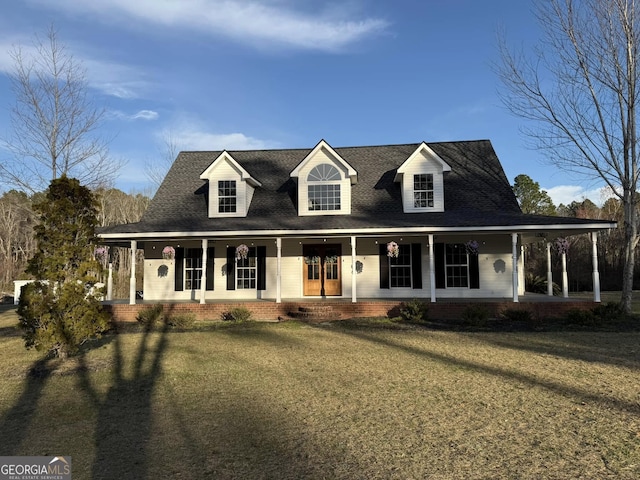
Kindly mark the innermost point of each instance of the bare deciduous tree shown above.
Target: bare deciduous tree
(17, 242)
(579, 88)
(157, 169)
(54, 122)
(116, 207)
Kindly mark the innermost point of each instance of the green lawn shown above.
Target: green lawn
(334, 401)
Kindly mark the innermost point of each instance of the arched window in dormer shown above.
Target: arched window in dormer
(323, 173)
(324, 187)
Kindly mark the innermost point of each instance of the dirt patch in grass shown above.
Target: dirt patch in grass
(348, 400)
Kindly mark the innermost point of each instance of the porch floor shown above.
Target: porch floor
(540, 305)
(526, 298)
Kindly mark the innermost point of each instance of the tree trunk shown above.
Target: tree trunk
(630, 242)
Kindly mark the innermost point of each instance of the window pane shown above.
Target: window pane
(192, 268)
(457, 265)
(313, 271)
(323, 172)
(226, 196)
(423, 190)
(246, 271)
(324, 197)
(400, 267)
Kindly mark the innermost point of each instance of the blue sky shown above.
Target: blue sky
(216, 74)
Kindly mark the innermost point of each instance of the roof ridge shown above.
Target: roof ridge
(336, 148)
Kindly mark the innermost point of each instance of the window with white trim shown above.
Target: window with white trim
(324, 188)
(423, 190)
(247, 271)
(227, 196)
(456, 265)
(192, 268)
(400, 267)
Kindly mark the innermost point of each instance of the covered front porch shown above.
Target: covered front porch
(286, 266)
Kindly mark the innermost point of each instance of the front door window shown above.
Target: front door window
(321, 270)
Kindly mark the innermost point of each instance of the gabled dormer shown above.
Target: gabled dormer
(231, 187)
(421, 179)
(324, 180)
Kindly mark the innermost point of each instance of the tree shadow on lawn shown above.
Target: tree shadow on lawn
(578, 394)
(241, 435)
(15, 423)
(593, 344)
(617, 349)
(124, 414)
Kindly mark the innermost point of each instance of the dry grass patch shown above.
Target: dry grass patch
(289, 401)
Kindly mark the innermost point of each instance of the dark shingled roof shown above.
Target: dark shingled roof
(477, 193)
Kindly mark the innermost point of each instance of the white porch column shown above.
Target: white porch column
(354, 296)
(514, 265)
(203, 278)
(432, 270)
(279, 270)
(565, 279)
(132, 279)
(110, 282)
(549, 273)
(596, 273)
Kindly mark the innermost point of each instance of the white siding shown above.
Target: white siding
(423, 164)
(159, 274)
(494, 260)
(323, 156)
(225, 170)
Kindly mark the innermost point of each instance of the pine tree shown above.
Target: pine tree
(58, 312)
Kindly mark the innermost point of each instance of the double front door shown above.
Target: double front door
(321, 270)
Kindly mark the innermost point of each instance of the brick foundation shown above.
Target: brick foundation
(269, 311)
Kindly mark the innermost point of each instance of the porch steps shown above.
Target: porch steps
(315, 313)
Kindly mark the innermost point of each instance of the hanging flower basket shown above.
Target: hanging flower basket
(101, 253)
(393, 250)
(562, 245)
(242, 252)
(472, 247)
(168, 252)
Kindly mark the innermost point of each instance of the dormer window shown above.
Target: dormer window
(227, 196)
(324, 188)
(231, 187)
(423, 190)
(421, 179)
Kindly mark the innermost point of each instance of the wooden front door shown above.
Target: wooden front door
(321, 272)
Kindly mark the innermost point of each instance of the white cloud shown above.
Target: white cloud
(141, 115)
(258, 22)
(566, 194)
(8, 44)
(195, 140)
(115, 79)
(190, 136)
(145, 115)
(110, 78)
(6, 62)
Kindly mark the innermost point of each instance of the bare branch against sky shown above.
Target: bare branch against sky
(579, 91)
(55, 127)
